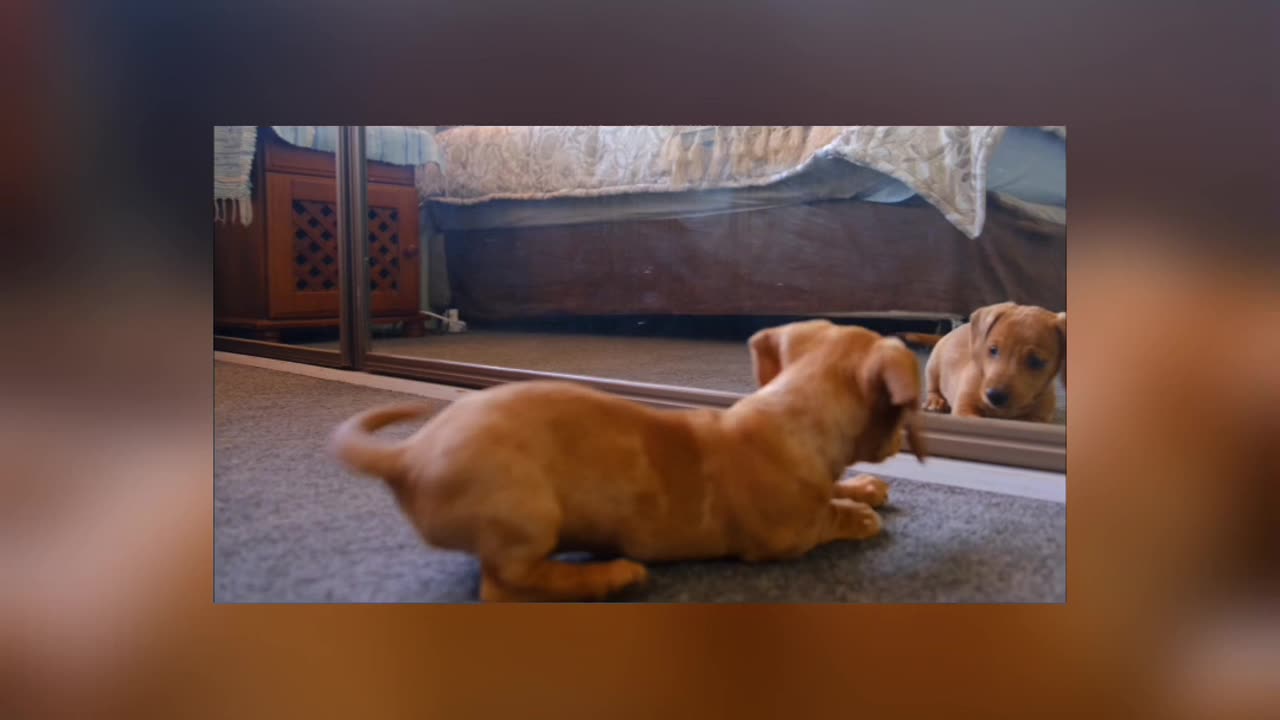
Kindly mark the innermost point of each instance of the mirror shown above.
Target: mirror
(650, 253)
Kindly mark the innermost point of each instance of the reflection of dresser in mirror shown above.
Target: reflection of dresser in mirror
(280, 272)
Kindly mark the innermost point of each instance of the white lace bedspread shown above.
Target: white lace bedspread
(946, 165)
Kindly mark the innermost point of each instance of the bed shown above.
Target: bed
(532, 222)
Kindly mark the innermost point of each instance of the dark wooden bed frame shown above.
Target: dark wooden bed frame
(826, 258)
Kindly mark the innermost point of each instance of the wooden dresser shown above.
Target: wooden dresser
(281, 271)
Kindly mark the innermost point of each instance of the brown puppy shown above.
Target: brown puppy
(519, 472)
(1000, 365)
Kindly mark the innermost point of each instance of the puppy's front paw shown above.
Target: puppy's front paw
(936, 403)
(872, 525)
(854, 520)
(492, 591)
(624, 574)
(864, 488)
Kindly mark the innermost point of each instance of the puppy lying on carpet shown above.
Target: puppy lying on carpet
(517, 473)
(1000, 365)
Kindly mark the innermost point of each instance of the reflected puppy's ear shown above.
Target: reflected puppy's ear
(983, 319)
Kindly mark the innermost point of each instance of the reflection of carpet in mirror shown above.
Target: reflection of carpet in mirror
(687, 362)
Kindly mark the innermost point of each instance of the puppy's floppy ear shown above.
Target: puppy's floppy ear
(892, 369)
(914, 439)
(1062, 334)
(984, 318)
(766, 355)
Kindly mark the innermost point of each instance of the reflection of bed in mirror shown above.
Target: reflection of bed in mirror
(823, 234)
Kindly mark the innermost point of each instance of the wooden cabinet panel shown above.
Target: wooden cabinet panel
(303, 247)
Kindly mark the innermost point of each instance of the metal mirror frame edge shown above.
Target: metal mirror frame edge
(1018, 444)
(351, 177)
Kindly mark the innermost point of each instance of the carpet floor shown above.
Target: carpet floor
(709, 364)
(291, 526)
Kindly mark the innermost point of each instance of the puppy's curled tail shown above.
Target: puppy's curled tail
(920, 339)
(355, 446)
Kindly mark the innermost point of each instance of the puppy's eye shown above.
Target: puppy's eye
(993, 351)
(1035, 362)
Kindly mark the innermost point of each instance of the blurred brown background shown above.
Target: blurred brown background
(106, 367)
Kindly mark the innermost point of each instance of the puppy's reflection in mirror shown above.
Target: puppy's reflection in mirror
(1002, 364)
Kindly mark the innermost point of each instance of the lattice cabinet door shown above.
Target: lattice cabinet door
(303, 247)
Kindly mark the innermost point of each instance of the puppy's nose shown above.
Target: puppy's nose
(997, 397)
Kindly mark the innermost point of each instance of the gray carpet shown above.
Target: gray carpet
(710, 364)
(292, 526)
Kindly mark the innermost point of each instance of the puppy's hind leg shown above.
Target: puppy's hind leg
(548, 580)
(517, 565)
